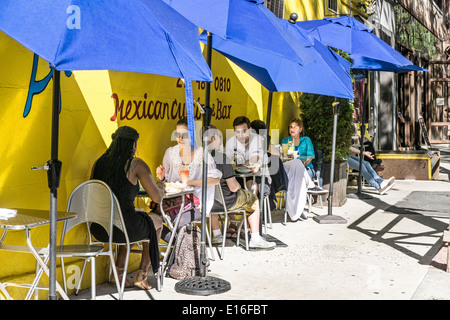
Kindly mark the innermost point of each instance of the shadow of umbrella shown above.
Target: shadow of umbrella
(93, 35)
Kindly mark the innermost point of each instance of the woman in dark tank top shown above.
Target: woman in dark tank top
(123, 172)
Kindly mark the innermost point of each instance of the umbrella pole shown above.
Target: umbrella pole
(206, 123)
(359, 194)
(204, 285)
(330, 218)
(265, 161)
(263, 177)
(53, 176)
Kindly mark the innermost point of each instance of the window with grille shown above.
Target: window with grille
(277, 7)
(332, 5)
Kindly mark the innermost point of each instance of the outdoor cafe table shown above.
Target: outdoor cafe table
(26, 219)
(245, 173)
(172, 225)
(302, 158)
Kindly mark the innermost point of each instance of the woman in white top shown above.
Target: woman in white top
(183, 154)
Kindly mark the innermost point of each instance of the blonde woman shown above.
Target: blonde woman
(182, 154)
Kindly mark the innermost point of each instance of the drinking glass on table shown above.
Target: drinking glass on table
(285, 148)
(184, 174)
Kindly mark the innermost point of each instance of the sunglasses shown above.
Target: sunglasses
(183, 135)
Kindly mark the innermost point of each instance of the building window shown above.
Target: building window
(277, 7)
(332, 5)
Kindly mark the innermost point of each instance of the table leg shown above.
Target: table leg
(3, 236)
(43, 265)
(172, 237)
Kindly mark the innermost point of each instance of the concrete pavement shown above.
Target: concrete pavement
(379, 254)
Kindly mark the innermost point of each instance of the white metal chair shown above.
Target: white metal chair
(4, 294)
(218, 195)
(267, 217)
(94, 202)
(319, 195)
(281, 196)
(309, 194)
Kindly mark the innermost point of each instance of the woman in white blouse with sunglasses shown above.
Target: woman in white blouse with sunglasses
(183, 154)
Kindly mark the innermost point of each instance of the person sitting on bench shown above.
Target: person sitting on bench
(369, 173)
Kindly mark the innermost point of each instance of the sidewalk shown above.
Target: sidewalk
(383, 252)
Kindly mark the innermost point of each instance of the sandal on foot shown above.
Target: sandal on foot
(120, 271)
(140, 280)
(232, 231)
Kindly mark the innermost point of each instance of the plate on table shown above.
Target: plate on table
(243, 170)
(7, 213)
(174, 187)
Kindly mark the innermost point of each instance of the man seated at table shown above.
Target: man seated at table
(235, 197)
(245, 147)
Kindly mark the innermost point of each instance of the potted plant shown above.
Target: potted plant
(317, 114)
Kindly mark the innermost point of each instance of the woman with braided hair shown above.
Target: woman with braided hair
(122, 171)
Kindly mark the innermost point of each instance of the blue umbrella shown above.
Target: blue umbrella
(367, 50)
(211, 15)
(94, 35)
(248, 22)
(139, 36)
(328, 74)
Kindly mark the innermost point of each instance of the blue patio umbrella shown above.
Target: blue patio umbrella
(368, 51)
(211, 15)
(328, 74)
(139, 36)
(247, 22)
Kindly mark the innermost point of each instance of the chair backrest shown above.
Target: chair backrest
(94, 202)
(318, 164)
(280, 179)
(318, 159)
(218, 196)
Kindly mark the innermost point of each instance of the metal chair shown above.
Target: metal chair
(4, 294)
(267, 213)
(319, 194)
(94, 202)
(309, 194)
(218, 195)
(80, 202)
(281, 195)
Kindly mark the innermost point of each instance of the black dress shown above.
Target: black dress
(139, 224)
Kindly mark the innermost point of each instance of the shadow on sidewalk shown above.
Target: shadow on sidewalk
(431, 226)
